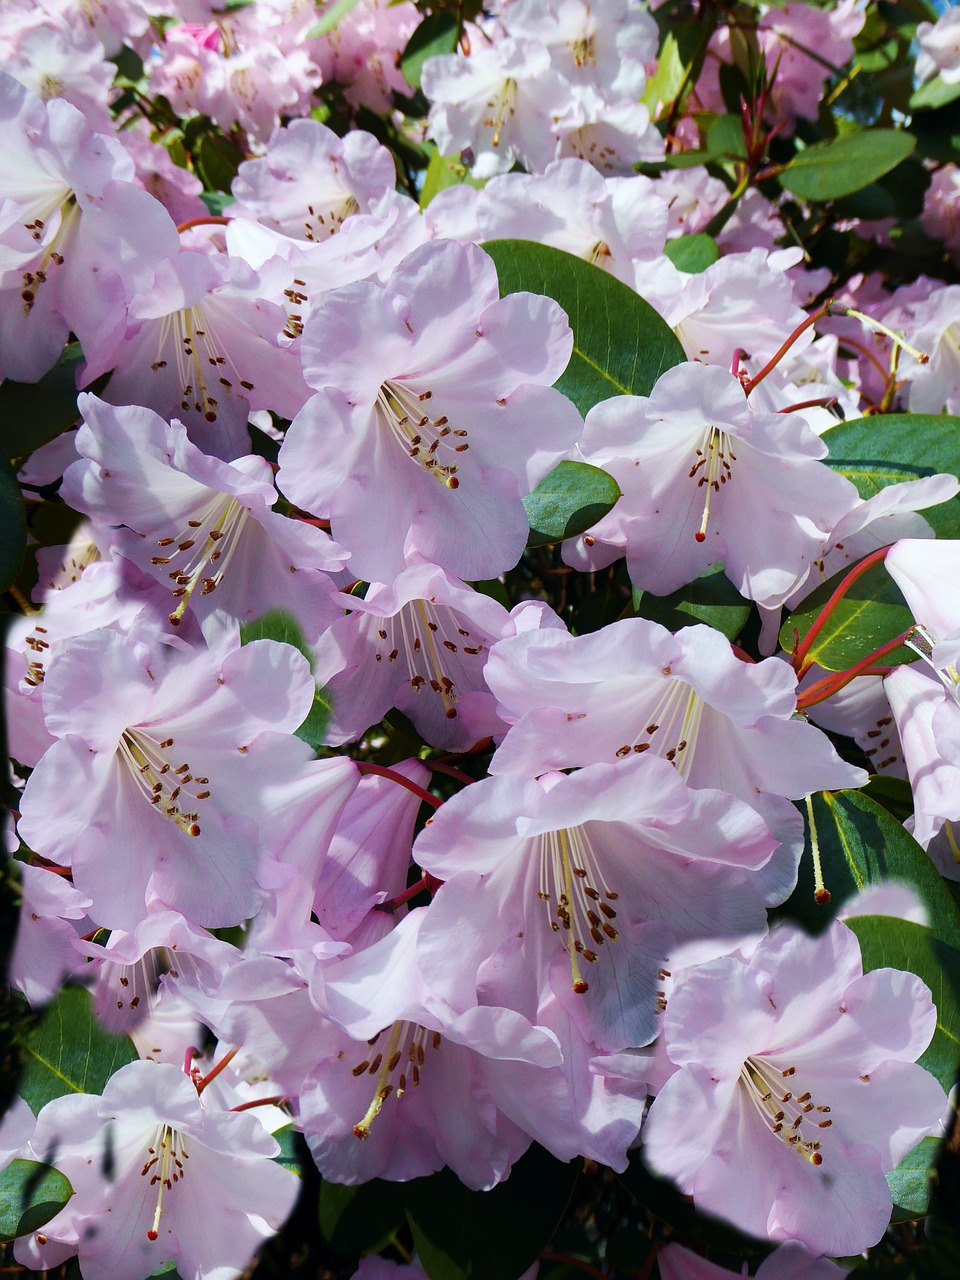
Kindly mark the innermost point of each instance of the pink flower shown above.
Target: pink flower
(795, 1090)
(435, 408)
(190, 1183)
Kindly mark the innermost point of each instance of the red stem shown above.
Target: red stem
(829, 685)
(825, 401)
(210, 220)
(215, 1071)
(800, 329)
(820, 621)
(448, 768)
(426, 884)
(279, 1100)
(366, 767)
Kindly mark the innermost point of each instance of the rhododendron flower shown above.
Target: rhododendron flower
(435, 405)
(940, 48)
(706, 477)
(789, 1262)
(796, 1089)
(581, 884)
(190, 1183)
(155, 782)
(203, 527)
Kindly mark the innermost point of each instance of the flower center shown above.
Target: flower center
(202, 361)
(501, 107)
(711, 469)
(423, 645)
(396, 1067)
(66, 205)
(673, 727)
(421, 436)
(782, 1111)
(164, 786)
(165, 1166)
(326, 219)
(569, 872)
(203, 550)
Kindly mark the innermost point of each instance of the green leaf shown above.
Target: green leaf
(443, 172)
(359, 1220)
(216, 159)
(725, 138)
(330, 19)
(935, 93)
(861, 844)
(488, 1235)
(13, 525)
(620, 345)
(69, 1053)
(217, 201)
(31, 413)
(291, 1149)
(572, 498)
(436, 35)
(278, 624)
(872, 612)
(712, 598)
(888, 943)
(693, 253)
(893, 447)
(30, 1195)
(842, 165)
(911, 1183)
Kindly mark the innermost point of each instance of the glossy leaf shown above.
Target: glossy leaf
(872, 612)
(488, 1235)
(31, 413)
(861, 845)
(935, 93)
(278, 624)
(436, 35)
(360, 1220)
(912, 1182)
(842, 165)
(693, 253)
(712, 598)
(888, 943)
(620, 345)
(568, 501)
(13, 525)
(69, 1053)
(30, 1195)
(893, 447)
(216, 159)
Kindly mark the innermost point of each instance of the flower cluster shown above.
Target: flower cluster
(405, 714)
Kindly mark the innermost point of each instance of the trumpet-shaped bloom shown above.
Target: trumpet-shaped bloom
(796, 1089)
(435, 408)
(187, 1183)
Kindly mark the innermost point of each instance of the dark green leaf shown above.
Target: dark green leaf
(840, 166)
(725, 138)
(893, 447)
(488, 1235)
(277, 624)
(13, 525)
(572, 498)
(30, 1195)
(893, 794)
(216, 159)
(862, 845)
(620, 345)
(436, 35)
(888, 943)
(31, 413)
(69, 1053)
(693, 253)
(872, 612)
(291, 1149)
(711, 598)
(360, 1220)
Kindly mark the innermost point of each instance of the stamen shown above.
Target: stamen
(781, 1112)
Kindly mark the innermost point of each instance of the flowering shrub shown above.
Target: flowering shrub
(479, 525)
